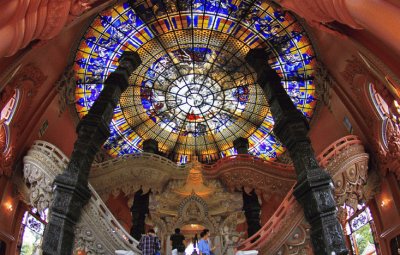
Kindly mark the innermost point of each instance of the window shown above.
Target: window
(361, 230)
(395, 245)
(32, 229)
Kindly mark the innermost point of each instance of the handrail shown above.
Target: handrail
(337, 147)
(61, 161)
(260, 238)
(246, 158)
(255, 241)
(151, 156)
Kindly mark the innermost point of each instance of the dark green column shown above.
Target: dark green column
(314, 185)
(150, 146)
(71, 187)
(140, 206)
(251, 206)
(139, 210)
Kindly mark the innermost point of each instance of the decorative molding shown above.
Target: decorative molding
(97, 232)
(149, 171)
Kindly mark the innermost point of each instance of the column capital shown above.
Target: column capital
(241, 145)
(150, 146)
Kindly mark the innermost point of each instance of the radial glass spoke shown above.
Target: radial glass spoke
(194, 92)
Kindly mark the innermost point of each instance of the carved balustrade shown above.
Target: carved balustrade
(344, 159)
(287, 232)
(97, 232)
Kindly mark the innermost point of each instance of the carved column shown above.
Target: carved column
(150, 146)
(241, 145)
(71, 187)
(251, 205)
(140, 206)
(251, 208)
(314, 185)
(139, 210)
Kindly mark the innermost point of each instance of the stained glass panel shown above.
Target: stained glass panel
(193, 92)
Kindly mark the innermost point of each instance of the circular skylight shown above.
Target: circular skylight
(193, 92)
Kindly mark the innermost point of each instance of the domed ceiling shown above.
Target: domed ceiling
(194, 93)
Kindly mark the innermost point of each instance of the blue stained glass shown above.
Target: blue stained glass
(194, 84)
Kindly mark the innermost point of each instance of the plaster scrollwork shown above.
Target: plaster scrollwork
(193, 207)
(40, 186)
(97, 232)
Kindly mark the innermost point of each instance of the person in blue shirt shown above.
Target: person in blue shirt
(204, 243)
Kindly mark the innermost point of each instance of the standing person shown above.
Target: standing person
(204, 243)
(150, 244)
(195, 244)
(177, 241)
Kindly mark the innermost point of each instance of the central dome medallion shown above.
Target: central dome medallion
(193, 92)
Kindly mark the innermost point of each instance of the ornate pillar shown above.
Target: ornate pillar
(150, 146)
(241, 145)
(71, 187)
(140, 206)
(314, 185)
(139, 210)
(251, 208)
(251, 205)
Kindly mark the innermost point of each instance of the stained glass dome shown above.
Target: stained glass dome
(194, 93)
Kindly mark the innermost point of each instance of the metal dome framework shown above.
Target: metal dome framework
(193, 92)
